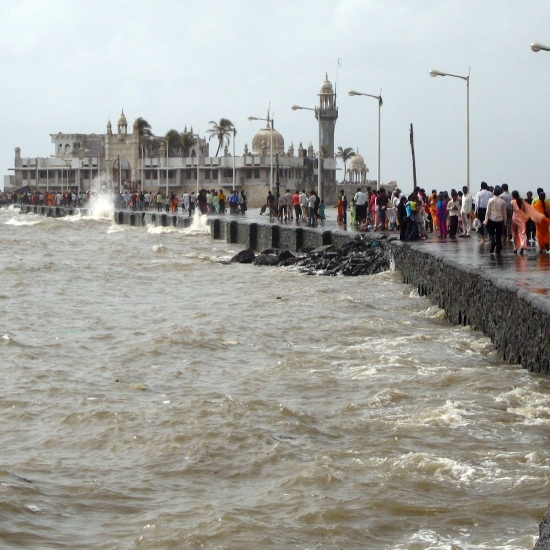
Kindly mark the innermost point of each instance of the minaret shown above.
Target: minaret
(328, 112)
(122, 126)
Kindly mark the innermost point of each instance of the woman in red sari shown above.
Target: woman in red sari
(542, 205)
(340, 205)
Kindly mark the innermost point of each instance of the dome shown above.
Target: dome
(122, 119)
(357, 162)
(264, 136)
(326, 87)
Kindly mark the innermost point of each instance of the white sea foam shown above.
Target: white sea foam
(159, 230)
(20, 222)
(427, 539)
(118, 228)
(199, 225)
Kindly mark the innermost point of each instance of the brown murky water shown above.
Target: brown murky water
(154, 398)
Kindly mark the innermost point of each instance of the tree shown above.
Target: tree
(344, 155)
(144, 128)
(179, 143)
(187, 141)
(221, 130)
(175, 143)
(144, 133)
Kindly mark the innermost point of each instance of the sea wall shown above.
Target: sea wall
(517, 321)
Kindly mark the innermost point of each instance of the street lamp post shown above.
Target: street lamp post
(234, 134)
(198, 155)
(379, 99)
(154, 138)
(270, 124)
(320, 159)
(537, 47)
(435, 73)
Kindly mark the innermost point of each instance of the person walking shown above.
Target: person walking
(344, 208)
(360, 205)
(495, 218)
(311, 207)
(453, 209)
(481, 201)
(506, 196)
(542, 205)
(522, 212)
(441, 214)
(466, 212)
(296, 205)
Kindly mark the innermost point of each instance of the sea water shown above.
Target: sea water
(154, 397)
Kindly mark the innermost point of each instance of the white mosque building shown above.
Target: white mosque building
(130, 162)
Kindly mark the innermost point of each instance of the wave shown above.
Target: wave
(19, 222)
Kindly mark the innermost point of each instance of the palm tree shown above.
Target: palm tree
(345, 155)
(175, 142)
(144, 128)
(222, 130)
(187, 141)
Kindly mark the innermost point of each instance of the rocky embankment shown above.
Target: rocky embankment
(365, 255)
(544, 530)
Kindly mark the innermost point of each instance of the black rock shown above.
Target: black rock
(246, 256)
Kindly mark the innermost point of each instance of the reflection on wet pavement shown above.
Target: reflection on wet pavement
(529, 271)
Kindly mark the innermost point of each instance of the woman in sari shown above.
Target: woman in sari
(340, 205)
(542, 205)
(441, 215)
(522, 212)
(432, 205)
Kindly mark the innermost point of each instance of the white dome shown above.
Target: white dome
(122, 119)
(264, 136)
(326, 87)
(357, 162)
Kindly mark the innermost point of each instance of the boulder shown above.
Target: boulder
(246, 256)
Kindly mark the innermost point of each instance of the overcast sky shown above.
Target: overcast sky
(69, 66)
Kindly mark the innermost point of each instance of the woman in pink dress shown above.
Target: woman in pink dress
(522, 212)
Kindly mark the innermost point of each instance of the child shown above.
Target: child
(322, 210)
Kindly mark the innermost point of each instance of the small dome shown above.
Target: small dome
(122, 119)
(326, 87)
(357, 162)
(263, 137)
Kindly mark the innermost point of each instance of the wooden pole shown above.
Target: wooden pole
(413, 157)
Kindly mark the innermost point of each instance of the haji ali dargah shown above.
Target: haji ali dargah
(138, 160)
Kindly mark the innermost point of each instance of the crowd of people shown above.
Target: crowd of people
(299, 206)
(206, 201)
(494, 213)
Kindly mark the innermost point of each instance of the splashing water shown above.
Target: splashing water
(102, 204)
(199, 225)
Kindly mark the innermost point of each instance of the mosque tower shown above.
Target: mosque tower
(328, 112)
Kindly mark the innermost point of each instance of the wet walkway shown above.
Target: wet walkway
(530, 271)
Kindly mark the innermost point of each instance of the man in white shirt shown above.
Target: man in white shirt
(495, 218)
(482, 198)
(360, 206)
(466, 212)
(303, 204)
(453, 207)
